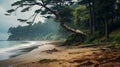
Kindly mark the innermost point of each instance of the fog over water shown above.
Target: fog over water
(11, 21)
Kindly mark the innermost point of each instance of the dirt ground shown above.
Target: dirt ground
(78, 57)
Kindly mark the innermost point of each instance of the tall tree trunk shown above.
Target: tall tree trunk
(92, 17)
(106, 29)
(93, 14)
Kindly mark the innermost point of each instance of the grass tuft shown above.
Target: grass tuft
(47, 60)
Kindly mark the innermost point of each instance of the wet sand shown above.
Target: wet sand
(63, 56)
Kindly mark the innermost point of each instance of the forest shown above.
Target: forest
(87, 21)
(49, 30)
(76, 33)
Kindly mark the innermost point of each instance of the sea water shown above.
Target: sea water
(9, 49)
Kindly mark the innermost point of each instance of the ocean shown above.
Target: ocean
(10, 49)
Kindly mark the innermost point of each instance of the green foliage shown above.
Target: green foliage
(37, 11)
(47, 60)
(25, 9)
(75, 39)
(97, 38)
(115, 35)
(113, 45)
(81, 14)
(43, 12)
(66, 13)
(105, 12)
(97, 18)
(81, 17)
(38, 31)
(11, 10)
(17, 3)
(93, 39)
(22, 20)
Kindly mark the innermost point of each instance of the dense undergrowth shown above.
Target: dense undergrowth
(113, 41)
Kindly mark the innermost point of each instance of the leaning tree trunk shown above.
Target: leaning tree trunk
(70, 28)
(62, 21)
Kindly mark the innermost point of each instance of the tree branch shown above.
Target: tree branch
(57, 16)
(61, 21)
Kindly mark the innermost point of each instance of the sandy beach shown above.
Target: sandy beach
(51, 55)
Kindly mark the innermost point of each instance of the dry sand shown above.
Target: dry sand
(52, 56)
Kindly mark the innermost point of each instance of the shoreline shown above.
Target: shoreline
(16, 48)
(29, 52)
(51, 55)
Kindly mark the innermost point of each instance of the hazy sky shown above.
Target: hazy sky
(11, 21)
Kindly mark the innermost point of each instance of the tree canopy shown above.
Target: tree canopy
(87, 18)
(56, 7)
